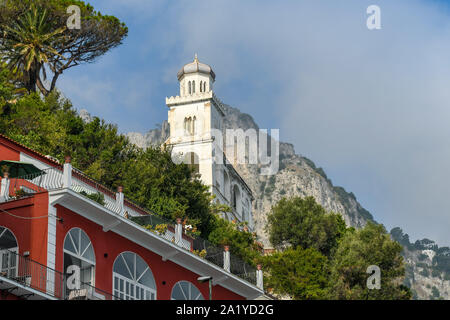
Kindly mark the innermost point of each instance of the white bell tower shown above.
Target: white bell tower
(195, 119)
(192, 116)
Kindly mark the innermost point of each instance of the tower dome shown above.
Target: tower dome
(196, 67)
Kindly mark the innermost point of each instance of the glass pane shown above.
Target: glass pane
(141, 266)
(75, 233)
(185, 287)
(7, 240)
(148, 280)
(177, 293)
(68, 245)
(12, 260)
(86, 272)
(121, 285)
(120, 267)
(185, 290)
(5, 256)
(116, 283)
(84, 241)
(129, 258)
(89, 254)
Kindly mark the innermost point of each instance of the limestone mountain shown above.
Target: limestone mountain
(298, 176)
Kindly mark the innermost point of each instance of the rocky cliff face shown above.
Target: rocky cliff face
(298, 176)
(423, 278)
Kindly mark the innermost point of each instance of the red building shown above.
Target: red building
(56, 242)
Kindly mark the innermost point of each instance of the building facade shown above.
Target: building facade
(197, 137)
(58, 243)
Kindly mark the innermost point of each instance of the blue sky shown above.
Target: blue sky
(370, 107)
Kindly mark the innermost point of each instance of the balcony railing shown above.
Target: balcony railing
(197, 245)
(46, 180)
(34, 275)
(39, 277)
(85, 185)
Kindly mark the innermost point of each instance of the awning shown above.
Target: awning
(19, 169)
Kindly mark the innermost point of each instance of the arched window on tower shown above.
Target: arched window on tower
(193, 86)
(190, 88)
(236, 198)
(247, 211)
(187, 125)
(226, 186)
(204, 86)
(201, 86)
(192, 160)
(194, 126)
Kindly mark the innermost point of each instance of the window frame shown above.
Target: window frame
(10, 252)
(76, 255)
(119, 293)
(191, 285)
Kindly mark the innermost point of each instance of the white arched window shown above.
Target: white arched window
(193, 86)
(79, 259)
(185, 290)
(204, 86)
(226, 186)
(192, 160)
(132, 278)
(9, 250)
(190, 88)
(201, 86)
(236, 200)
(247, 211)
(187, 125)
(194, 126)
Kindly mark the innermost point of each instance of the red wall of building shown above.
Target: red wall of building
(113, 244)
(31, 234)
(7, 153)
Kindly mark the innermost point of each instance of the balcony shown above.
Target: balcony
(30, 280)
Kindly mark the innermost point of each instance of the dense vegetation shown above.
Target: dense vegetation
(37, 42)
(318, 257)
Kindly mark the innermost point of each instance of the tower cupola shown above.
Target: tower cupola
(196, 78)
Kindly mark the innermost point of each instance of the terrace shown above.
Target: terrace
(62, 178)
